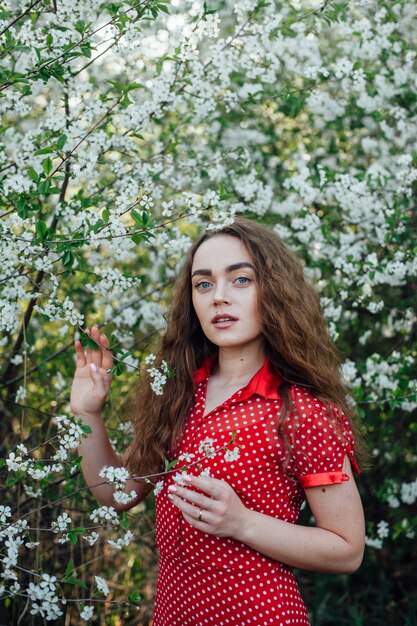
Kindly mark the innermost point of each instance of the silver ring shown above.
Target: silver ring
(200, 515)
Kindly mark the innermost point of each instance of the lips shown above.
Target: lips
(223, 319)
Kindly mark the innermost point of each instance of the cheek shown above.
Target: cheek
(256, 313)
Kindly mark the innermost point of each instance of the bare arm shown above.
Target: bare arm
(335, 544)
(90, 387)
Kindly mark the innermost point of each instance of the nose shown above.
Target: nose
(221, 294)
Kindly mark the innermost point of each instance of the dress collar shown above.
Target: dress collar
(264, 383)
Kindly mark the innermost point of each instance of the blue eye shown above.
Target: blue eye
(203, 285)
(243, 280)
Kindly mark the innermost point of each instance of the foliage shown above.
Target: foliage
(126, 128)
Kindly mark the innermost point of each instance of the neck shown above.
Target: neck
(238, 365)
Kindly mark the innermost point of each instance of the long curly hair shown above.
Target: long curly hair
(296, 338)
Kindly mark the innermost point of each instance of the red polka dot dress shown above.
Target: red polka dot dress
(206, 580)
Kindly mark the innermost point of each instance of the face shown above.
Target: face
(225, 294)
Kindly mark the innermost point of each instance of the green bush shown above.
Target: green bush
(126, 128)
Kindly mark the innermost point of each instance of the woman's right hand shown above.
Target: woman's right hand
(91, 382)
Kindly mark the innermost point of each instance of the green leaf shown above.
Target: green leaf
(170, 464)
(86, 51)
(86, 429)
(21, 204)
(77, 461)
(44, 151)
(133, 86)
(96, 227)
(223, 193)
(73, 537)
(68, 259)
(136, 216)
(61, 141)
(70, 568)
(72, 580)
(86, 341)
(44, 187)
(80, 26)
(117, 369)
(49, 39)
(47, 166)
(41, 229)
(133, 597)
(124, 520)
(33, 175)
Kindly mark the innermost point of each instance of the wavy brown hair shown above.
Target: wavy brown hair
(296, 338)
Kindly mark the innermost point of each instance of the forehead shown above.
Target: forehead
(219, 252)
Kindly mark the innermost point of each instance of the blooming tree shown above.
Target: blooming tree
(126, 128)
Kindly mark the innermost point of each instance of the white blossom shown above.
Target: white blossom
(21, 393)
(232, 455)
(102, 585)
(158, 380)
(373, 543)
(124, 498)
(44, 599)
(61, 523)
(179, 478)
(206, 447)
(92, 537)
(105, 514)
(114, 474)
(382, 529)
(87, 613)
(186, 456)
(158, 487)
(409, 492)
(5, 512)
(122, 542)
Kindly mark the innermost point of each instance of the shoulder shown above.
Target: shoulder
(304, 401)
(319, 436)
(309, 413)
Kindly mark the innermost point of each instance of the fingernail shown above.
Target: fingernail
(187, 477)
(170, 496)
(172, 488)
(94, 367)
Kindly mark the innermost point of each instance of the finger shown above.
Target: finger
(187, 508)
(197, 499)
(99, 386)
(107, 361)
(88, 350)
(203, 525)
(212, 486)
(79, 353)
(96, 355)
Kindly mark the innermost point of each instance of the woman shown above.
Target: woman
(256, 416)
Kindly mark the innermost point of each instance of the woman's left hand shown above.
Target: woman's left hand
(219, 513)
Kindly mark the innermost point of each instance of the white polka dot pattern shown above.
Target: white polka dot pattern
(223, 580)
(196, 596)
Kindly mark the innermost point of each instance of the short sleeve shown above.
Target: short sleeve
(320, 438)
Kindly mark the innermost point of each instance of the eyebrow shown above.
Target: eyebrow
(229, 268)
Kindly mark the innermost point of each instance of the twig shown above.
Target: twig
(19, 17)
